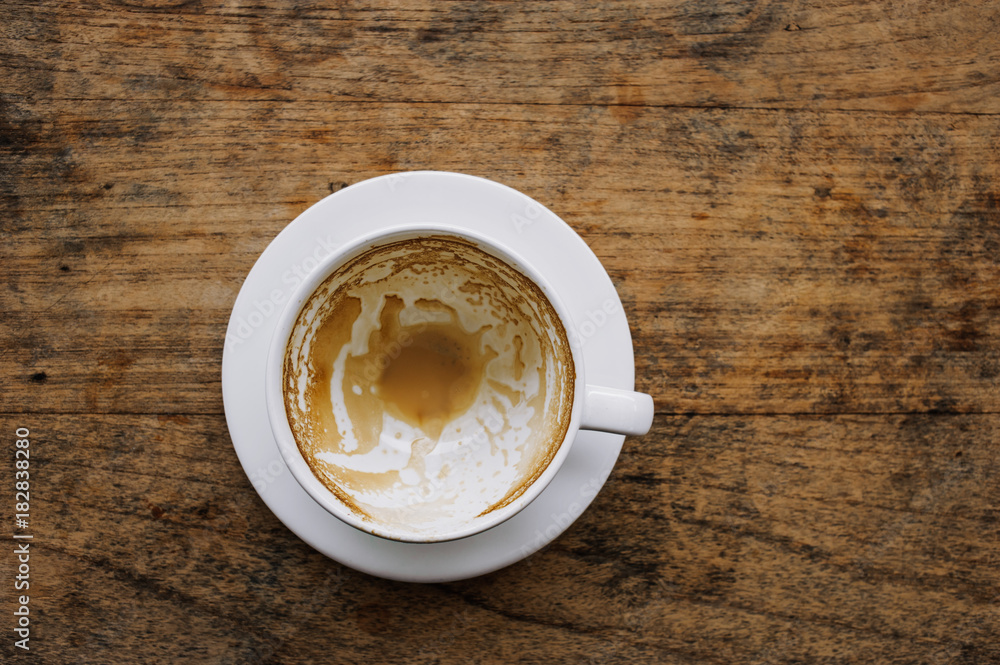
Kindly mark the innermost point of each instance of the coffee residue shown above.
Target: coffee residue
(436, 375)
(394, 384)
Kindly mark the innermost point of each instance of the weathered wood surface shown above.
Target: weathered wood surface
(718, 539)
(798, 202)
(891, 56)
(791, 261)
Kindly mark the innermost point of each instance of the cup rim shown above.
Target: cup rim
(274, 394)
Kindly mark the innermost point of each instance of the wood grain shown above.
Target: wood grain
(890, 56)
(797, 201)
(792, 261)
(772, 539)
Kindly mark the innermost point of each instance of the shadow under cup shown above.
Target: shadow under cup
(427, 386)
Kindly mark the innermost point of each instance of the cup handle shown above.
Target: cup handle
(616, 411)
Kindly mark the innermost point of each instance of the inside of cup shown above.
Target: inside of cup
(428, 383)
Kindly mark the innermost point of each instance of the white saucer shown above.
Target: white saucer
(483, 206)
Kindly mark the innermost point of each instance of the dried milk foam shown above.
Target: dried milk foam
(427, 384)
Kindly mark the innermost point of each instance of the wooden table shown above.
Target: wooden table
(797, 200)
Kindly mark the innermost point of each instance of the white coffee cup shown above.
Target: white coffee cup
(433, 503)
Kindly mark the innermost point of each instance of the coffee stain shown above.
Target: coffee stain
(331, 336)
(518, 360)
(434, 378)
(419, 365)
(513, 396)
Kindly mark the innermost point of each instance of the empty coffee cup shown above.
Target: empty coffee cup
(422, 386)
